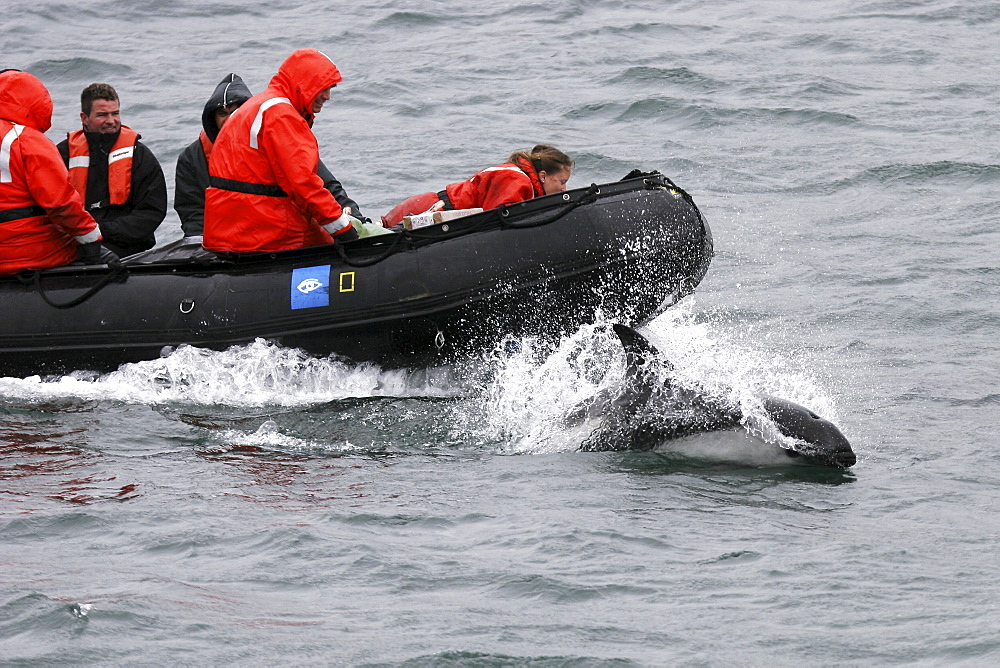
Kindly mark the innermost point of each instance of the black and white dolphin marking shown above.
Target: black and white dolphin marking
(649, 411)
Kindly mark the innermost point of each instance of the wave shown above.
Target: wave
(940, 174)
(700, 116)
(981, 402)
(828, 44)
(644, 29)
(74, 69)
(411, 20)
(644, 75)
(795, 87)
(966, 13)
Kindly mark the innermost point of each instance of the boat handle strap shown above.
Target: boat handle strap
(117, 268)
(589, 196)
(370, 261)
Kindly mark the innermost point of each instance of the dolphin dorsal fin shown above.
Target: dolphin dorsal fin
(638, 350)
(636, 346)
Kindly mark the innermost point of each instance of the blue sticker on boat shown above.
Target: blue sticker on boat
(311, 287)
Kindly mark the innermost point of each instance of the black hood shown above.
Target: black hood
(230, 90)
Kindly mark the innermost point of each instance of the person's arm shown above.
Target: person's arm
(291, 147)
(190, 182)
(148, 198)
(336, 189)
(49, 187)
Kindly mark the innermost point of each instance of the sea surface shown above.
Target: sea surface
(258, 507)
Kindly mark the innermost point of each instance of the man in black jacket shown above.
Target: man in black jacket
(191, 176)
(118, 177)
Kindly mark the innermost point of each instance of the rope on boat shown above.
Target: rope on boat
(392, 248)
(35, 279)
(589, 196)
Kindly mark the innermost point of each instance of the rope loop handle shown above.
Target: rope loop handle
(35, 280)
(589, 196)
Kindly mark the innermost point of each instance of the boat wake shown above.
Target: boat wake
(259, 374)
(513, 400)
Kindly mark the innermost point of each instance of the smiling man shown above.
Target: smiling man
(264, 192)
(119, 178)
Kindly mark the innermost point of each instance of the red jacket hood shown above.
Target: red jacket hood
(536, 183)
(302, 76)
(25, 100)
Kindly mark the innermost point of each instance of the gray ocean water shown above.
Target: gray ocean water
(257, 507)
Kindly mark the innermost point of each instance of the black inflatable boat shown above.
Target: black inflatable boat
(541, 267)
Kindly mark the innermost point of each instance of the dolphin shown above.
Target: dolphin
(649, 411)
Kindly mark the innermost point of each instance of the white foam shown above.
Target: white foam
(270, 437)
(258, 374)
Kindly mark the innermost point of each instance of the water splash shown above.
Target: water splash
(81, 610)
(271, 436)
(257, 374)
(532, 392)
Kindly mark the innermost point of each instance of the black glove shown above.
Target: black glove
(94, 253)
(350, 234)
(108, 256)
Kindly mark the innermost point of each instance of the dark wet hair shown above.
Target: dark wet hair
(96, 91)
(544, 158)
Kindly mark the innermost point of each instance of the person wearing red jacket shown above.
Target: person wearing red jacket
(543, 170)
(191, 175)
(42, 220)
(264, 193)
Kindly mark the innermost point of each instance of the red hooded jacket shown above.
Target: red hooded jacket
(42, 218)
(489, 188)
(264, 193)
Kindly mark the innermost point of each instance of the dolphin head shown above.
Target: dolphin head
(821, 441)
